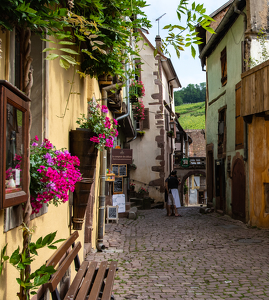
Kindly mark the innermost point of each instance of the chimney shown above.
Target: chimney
(158, 41)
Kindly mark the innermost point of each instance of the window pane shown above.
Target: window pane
(14, 150)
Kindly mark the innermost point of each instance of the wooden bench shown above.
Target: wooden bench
(90, 282)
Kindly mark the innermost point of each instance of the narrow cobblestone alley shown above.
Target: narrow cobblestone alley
(194, 257)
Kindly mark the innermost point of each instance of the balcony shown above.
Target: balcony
(255, 90)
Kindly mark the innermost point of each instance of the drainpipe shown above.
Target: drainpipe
(103, 166)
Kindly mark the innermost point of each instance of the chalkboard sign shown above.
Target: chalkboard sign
(119, 170)
(123, 170)
(115, 169)
(117, 185)
(112, 213)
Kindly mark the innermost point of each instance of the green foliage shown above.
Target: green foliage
(192, 116)
(193, 93)
(194, 15)
(20, 260)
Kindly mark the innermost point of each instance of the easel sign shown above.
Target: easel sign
(112, 213)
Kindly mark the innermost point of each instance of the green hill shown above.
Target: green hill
(192, 116)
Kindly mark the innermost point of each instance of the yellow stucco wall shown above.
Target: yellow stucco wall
(57, 131)
(259, 171)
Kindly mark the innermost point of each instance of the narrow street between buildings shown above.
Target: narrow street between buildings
(198, 256)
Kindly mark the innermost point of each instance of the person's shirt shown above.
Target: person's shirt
(172, 183)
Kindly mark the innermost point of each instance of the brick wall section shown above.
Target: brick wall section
(198, 146)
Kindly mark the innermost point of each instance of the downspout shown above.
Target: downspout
(238, 11)
(103, 165)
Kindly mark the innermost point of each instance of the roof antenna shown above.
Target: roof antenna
(158, 19)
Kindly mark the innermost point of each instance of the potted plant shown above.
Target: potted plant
(136, 90)
(133, 166)
(104, 129)
(140, 133)
(53, 174)
(142, 192)
(170, 133)
(132, 186)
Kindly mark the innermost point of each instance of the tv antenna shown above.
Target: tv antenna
(158, 19)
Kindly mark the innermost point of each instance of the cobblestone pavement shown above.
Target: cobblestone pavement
(194, 257)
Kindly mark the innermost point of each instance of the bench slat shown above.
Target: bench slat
(72, 292)
(61, 251)
(109, 281)
(57, 276)
(98, 282)
(87, 281)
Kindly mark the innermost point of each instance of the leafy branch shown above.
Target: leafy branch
(21, 260)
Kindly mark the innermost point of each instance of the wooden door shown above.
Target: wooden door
(220, 184)
(239, 189)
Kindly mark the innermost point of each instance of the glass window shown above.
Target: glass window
(14, 149)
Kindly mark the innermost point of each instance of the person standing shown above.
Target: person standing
(173, 195)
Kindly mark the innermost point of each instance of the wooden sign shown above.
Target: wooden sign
(122, 156)
(118, 185)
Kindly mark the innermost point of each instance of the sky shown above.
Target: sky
(188, 69)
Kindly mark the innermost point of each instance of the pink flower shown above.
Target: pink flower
(36, 138)
(104, 109)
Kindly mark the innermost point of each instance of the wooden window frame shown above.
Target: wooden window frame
(222, 138)
(10, 94)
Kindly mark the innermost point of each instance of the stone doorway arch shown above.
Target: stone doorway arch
(184, 178)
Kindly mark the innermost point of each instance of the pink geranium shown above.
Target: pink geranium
(53, 174)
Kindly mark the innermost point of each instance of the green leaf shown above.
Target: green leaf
(64, 64)
(66, 43)
(58, 241)
(69, 59)
(52, 247)
(67, 50)
(15, 257)
(49, 238)
(49, 49)
(193, 52)
(52, 56)
(187, 44)
(46, 40)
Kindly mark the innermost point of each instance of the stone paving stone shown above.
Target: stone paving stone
(193, 257)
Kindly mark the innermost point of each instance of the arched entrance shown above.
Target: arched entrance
(239, 189)
(184, 178)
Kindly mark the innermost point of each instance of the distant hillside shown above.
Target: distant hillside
(192, 116)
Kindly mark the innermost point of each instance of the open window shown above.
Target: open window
(14, 135)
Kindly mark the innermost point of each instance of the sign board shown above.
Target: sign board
(119, 170)
(120, 201)
(122, 156)
(112, 213)
(185, 162)
(118, 186)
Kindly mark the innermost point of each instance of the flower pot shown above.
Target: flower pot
(85, 150)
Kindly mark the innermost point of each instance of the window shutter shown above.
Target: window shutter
(223, 59)
(239, 122)
(146, 120)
